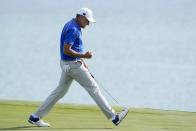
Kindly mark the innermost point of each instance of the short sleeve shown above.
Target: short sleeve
(70, 36)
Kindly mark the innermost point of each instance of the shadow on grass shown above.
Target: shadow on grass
(49, 128)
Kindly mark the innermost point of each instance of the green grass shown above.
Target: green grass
(69, 117)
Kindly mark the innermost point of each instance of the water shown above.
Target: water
(144, 51)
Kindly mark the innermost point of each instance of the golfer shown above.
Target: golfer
(74, 68)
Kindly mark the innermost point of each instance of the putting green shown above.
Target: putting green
(66, 117)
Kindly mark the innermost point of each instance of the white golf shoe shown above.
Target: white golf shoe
(37, 121)
(120, 116)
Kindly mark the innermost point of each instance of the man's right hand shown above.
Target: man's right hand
(88, 55)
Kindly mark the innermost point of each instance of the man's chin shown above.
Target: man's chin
(83, 26)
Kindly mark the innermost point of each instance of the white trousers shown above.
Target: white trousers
(75, 70)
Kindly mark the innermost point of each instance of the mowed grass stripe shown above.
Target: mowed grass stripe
(14, 115)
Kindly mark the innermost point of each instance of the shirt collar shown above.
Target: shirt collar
(76, 24)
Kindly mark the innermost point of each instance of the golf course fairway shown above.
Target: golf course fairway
(72, 117)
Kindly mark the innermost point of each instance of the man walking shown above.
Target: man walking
(74, 68)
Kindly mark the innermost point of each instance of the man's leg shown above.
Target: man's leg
(58, 93)
(83, 77)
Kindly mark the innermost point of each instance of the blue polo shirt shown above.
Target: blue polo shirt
(71, 34)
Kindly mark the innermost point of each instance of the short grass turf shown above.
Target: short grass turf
(69, 117)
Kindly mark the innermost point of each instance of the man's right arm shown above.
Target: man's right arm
(68, 51)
